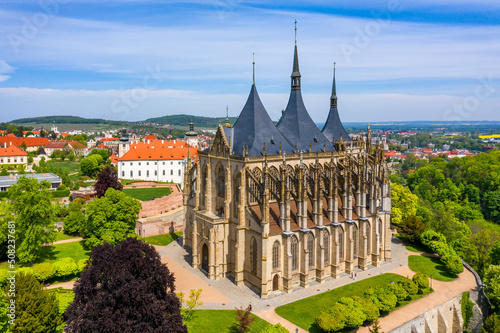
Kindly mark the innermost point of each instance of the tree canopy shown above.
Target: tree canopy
(111, 218)
(126, 289)
(107, 178)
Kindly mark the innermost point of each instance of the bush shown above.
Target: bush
(398, 290)
(3, 277)
(60, 194)
(332, 319)
(453, 263)
(44, 271)
(408, 285)
(61, 187)
(354, 315)
(421, 280)
(274, 329)
(440, 248)
(65, 266)
(370, 309)
(26, 271)
(467, 306)
(429, 236)
(82, 263)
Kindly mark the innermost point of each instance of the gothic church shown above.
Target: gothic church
(273, 207)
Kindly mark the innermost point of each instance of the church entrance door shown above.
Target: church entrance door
(204, 258)
(275, 282)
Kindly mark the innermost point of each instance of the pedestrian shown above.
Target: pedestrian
(355, 276)
(250, 307)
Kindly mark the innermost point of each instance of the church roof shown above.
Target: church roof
(333, 127)
(255, 128)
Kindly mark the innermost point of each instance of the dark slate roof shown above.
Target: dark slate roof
(254, 127)
(333, 126)
(297, 126)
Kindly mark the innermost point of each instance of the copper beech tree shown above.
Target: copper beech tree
(125, 289)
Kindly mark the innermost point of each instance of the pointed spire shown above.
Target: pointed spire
(228, 123)
(295, 71)
(253, 64)
(191, 125)
(333, 98)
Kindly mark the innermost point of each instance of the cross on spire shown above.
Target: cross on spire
(253, 64)
(295, 32)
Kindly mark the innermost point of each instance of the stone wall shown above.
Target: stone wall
(172, 221)
(161, 205)
(445, 318)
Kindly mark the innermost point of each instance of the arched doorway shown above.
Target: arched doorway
(275, 282)
(204, 258)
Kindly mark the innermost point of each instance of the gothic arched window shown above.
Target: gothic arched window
(368, 237)
(221, 182)
(355, 241)
(293, 250)
(276, 254)
(253, 254)
(310, 248)
(326, 244)
(341, 245)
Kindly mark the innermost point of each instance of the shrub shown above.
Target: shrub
(60, 194)
(82, 263)
(408, 285)
(369, 307)
(44, 271)
(332, 319)
(274, 329)
(467, 306)
(453, 263)
(386, 300)
(26, 271)
(3, 277)
(430, 235)
(440, 248)
(61, 187)
(421, 280)
(65, 266)
(398, 290)
(354, 315)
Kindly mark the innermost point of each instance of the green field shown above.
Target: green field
(430, 266)
(64, 166)
(62, 236)
(162, 240)
(419, 248)
(220, 321)
(303, 312)
(145, 194)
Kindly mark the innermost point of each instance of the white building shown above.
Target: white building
(154, 160)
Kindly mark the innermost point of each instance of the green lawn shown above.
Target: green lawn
(219, 321)
(64, 166)
(53, 253)
(164, 239)
(62, 236)
(430, 266)
(304, 312)
(412, 247)
(145, 194)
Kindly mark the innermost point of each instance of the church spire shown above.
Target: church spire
(295, 72)
(228, 123)
(253, 70)
(333, 98)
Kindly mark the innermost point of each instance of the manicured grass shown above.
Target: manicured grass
(220, 321)
(410, 246)
(430, 266)
(53, 253)
(162, 240)
(145, 194)
(304, 312)
(62, 236)
(64, 166)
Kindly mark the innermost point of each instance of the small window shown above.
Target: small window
(171, 172)
(139, 173)
(171, 163)
(147, 173)
(139, 163)
(147, 163)
(131, 174)
(130, 163)
(156, 173)
(156, 163)
(164, 172)
(179, 172)
(123, 173)
(123, 163)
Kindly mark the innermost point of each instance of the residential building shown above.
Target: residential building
(13, 155)
(8, 181)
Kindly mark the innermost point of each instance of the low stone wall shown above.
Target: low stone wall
(163, 224)
(161, 205)
(482, 308)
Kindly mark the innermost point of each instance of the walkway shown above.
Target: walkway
(64, 241)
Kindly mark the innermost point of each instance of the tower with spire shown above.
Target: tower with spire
(333, 129)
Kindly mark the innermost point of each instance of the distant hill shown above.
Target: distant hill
(184, 119)
(66, 120)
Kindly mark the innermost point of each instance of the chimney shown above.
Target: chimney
(162, 141)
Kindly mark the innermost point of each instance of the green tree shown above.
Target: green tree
(375, 328)
(34, 216)
(370, 309)
(421, 280)
(65, 267)
(44, 271)
(4, 319)
(188, 305)
(103, 152)
(492, 206)
(37, 311)
(491, 324)
(111, 218)
(332, 319)
(4, 172)
(398, 291)
(404, 203)
(355, 316)
(413, 227)
(495, 253)
(492, 281)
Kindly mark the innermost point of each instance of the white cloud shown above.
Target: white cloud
(5, 69)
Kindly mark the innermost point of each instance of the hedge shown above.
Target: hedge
(436, 243)
(4, 194)
(60, 194)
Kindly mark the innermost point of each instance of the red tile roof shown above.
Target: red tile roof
(12, 151)
(30, 141)
(156, 150)
(114, 159)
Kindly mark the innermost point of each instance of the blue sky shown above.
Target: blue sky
(396, 60)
